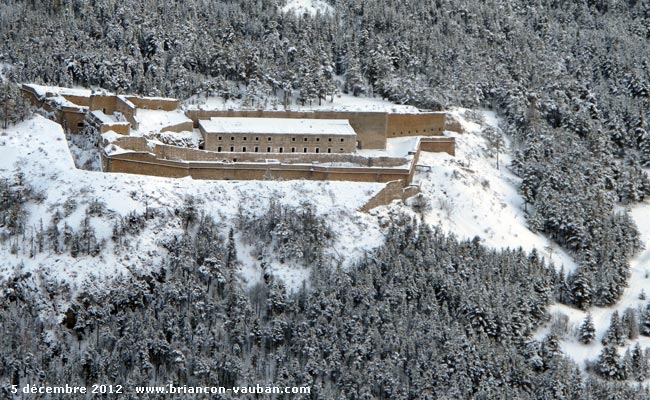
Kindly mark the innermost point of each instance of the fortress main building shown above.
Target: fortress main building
(154, 136)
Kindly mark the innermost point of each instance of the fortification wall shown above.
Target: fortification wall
(123, 128)
(72, 121)
(424, 124)
(392, 191)
(149, 164)
(105, 103)
(78, 100)
(128, 110)
(182, 127)
(154, 103)
(369, 126)
(439, 145)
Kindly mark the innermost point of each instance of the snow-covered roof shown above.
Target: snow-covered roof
(49, 91)
(277, 126)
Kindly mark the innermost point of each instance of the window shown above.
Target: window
(341, 150)
(257, 149)
(317, 150)
(219, 138)
(305, 139)
(293, 149)
(329, 150)
(281, 149)
(269, 138)
(232, 138)
(232, 148)
(329, 139)
(304, 150)
(342, 140)
(80, 125)
(318, 139)
(293, 139)
(244, 138)
(219, 149)
(243, 149)
(268, 149)
(257, 139)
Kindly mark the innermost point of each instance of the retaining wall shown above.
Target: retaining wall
(149, 164)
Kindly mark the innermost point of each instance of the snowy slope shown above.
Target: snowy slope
(639, 280)
(38, 147)
(470, 197)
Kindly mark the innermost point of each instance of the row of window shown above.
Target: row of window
(417, 131)
(268, 139)
(257, 149)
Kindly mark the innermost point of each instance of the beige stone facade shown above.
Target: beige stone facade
(271, 135)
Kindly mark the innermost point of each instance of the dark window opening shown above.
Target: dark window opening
(317, 150)
(257, 149)
(269, 139)
(304, 150)
(329, 150)
(281, 149)
(219, 149)
(293, 139)
(219, 138)
(305, 139)
(243, 149)
(268, 149)
(329, 139)
(232, 148)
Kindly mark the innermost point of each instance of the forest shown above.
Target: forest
(571, 85)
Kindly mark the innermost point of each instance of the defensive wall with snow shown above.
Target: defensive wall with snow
(116, 117)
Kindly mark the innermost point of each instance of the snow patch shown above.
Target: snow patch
(310, 7)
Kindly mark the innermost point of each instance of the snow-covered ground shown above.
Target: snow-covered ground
(470, 197)
(39, 148)
(311, 7)
(639, 281)
(155, 120)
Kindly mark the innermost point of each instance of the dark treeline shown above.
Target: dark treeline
(425, 316)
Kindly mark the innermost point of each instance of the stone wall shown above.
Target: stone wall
(71, 121)
(128, 110)
(392, 191)
(181, 127)
(439, 145)
(154, 103)
(149, 164)
(423, 124)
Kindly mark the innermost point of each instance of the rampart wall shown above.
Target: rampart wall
(149, 164)
(154, 103)
(422, 124)
(392, 191)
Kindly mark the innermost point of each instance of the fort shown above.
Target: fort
(153, 136)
